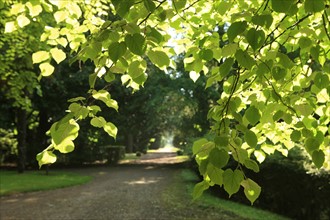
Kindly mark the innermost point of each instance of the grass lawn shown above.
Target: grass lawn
(12, 182)
(184, 185)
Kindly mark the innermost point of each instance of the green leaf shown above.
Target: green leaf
(278, 115)
(219, 158)
(149, 5)
(111, 129)
(159, 58)
(278, 73)
(318, 158)
(251, 190)
(305, 42)
(76, 99)
(304, 109)
(235, 29)
(179, 4)
(206, 54)
(199, 189)
(283, 6)
(58, 55)
(92, 79)
(223, 7)
(46, 69)
(202, 147)
(215, 174)
(251, 138)
(135, 43)
(98, 122)
(225, 68)
(312, 144)
(198, 146)
(46, 157)
(232, 181)
(79, 111)
(244, 59)
(265, 20)
(40, 56)
(116, 50)
(221, 141)
(321, 80)
(252, 115)
(251, 164)
(229, 50)
(314, 6)
(255, 38)
(155, 36)
(135, 70)
(122, 7)
(295, 136)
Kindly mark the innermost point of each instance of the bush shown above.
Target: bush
(8, 145)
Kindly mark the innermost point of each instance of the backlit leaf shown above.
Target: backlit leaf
(215, 174)
(251, 190)
(199, 189)
(22, 21)
(159, 58)
(57, 54)
(46, 157)
(40, 56)
(98, 122)
(10, 27)
(111, 129)
(60, 16)
(46, 69)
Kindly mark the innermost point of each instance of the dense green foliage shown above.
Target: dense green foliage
(269, 57)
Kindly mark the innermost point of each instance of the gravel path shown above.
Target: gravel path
(130, 191)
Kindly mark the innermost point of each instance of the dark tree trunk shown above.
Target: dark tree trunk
(21, 139)
(129, 146)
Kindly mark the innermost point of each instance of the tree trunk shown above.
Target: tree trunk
(129, 147)
(21, 139)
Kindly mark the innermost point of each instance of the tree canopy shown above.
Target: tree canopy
(270, 57)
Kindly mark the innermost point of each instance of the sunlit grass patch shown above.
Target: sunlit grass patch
(12, 182)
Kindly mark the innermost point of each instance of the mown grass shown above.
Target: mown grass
(11, 182)
(188, 178)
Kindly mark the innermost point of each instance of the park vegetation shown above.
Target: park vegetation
(249, 78)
